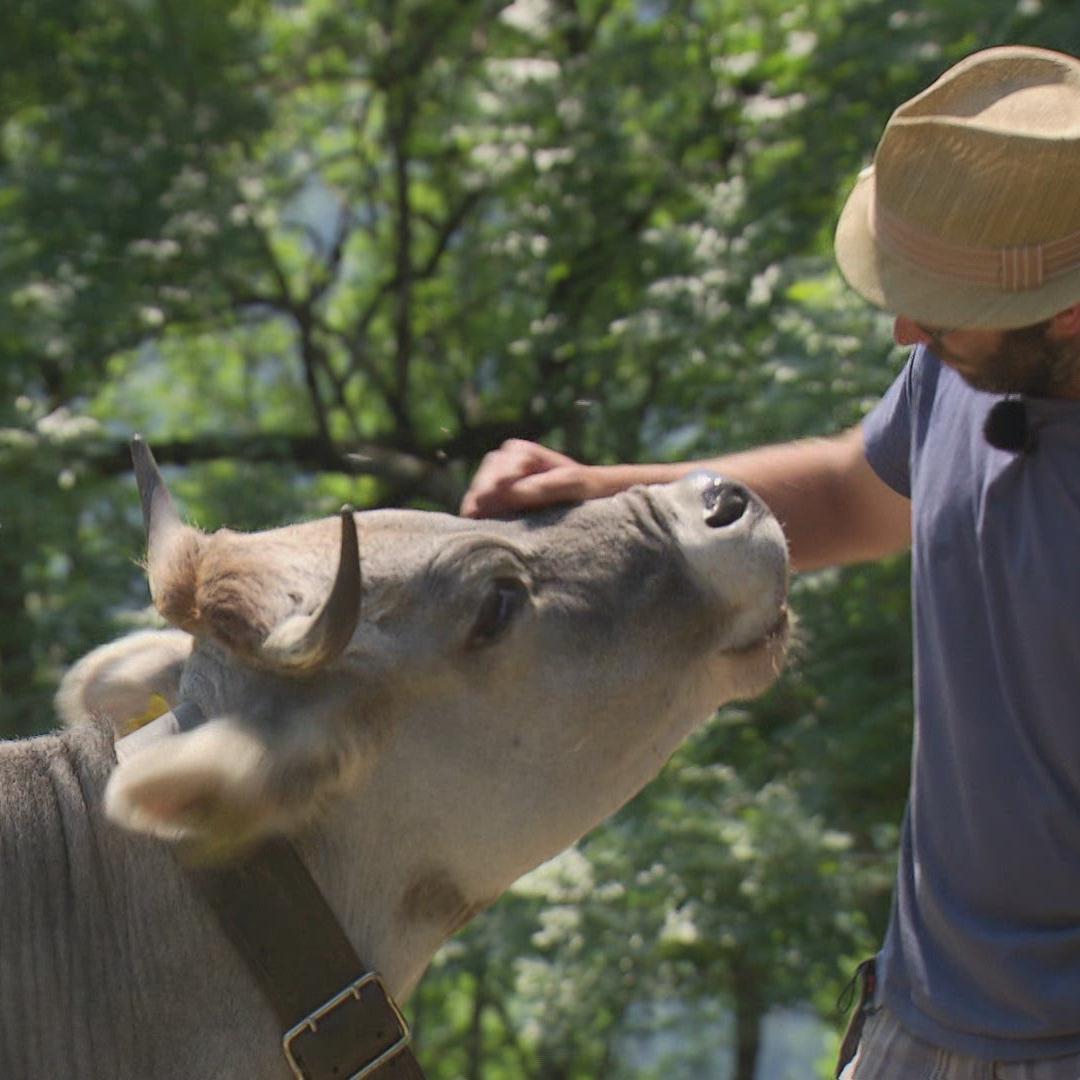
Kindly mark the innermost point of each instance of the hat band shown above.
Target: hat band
(1008, 269)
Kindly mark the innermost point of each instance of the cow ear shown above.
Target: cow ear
(224, 785)
(128, 681)
(209, 786)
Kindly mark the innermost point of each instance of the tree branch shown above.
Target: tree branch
(408, 474)
(400, 130)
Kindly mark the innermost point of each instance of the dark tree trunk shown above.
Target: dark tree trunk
(750, 1008)
(18, 691)
(476, 1025)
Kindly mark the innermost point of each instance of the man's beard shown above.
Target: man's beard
(1028, 362)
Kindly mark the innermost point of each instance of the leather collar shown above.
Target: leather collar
(337, 1019)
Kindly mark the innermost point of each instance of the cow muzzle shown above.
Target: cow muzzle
(737, 552)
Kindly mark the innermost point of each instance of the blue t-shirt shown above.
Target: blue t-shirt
(983, 950)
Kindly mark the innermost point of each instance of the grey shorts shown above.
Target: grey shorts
(887, 1052)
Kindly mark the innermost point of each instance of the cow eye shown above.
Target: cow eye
(504, 600)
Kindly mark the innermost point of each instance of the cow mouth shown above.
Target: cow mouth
(780, 628)
(761, 662)
(774, 640)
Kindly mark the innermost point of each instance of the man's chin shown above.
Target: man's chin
(997, 386)
(1002, 382)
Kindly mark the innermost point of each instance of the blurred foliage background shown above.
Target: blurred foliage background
(320, 251)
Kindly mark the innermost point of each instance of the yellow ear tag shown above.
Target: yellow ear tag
(155, 707)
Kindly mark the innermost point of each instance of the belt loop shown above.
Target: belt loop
(866, 974)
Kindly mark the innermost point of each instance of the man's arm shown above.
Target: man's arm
(833, 506)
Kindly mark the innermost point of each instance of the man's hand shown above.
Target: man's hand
(523, 475)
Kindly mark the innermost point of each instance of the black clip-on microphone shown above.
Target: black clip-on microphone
(1007, 428)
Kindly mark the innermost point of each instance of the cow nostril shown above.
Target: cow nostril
(724, 503)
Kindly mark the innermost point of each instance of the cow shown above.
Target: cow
(428, 706)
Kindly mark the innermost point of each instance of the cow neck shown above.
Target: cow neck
(337, 1018)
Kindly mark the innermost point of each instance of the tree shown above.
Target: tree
(320, 252)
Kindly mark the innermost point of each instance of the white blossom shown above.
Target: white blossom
(524, 69)
(566, 877)
(549, 157)
(679, 927)
(47, 296)
(61, 425)
(529, 16)
(763, 286)
(801, 43)
(158, 250)
(763, 107)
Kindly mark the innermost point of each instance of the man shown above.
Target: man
(968, 226)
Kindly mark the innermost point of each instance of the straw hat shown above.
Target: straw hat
(970, 214)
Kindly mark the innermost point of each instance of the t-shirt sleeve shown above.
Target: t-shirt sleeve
(887, 431)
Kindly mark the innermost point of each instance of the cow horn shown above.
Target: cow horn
(160, 516)
(306, 643)
(172, 548)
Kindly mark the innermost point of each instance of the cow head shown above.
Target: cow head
(497, 690)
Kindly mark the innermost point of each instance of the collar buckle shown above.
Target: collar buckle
(350, 994)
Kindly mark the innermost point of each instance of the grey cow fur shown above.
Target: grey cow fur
(420, 773)
(109, 969)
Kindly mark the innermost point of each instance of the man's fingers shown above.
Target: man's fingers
(521, 493)
(524, 457)
(518, 475)
(561, 484)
